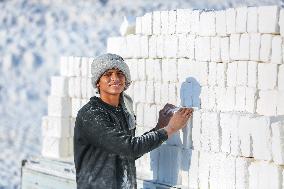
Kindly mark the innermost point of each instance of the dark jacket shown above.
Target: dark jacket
(105, 147)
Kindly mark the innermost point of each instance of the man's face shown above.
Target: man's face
(112, 82)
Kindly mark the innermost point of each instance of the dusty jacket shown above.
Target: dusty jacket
(105, 147)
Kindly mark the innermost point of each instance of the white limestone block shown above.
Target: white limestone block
(141, 69)
(215, 49)
(190, 43)
(201, 69)
(186, 46)
(255, 41)
(225, 120)
(207, 24)
(225, 49)
(150, 92)
(264, 175)
(241, 19)
(230, 100)
(44, 125)
(221, 74)
(153, 46)
(280, 104)
(72, 126)
(144, 46)
(232, 74)
(56, 127)
(267, 76)
(64, 65)
(130, 90)
(240, 99)
(117, 45)
(171, 46)
(70, 146)
(157, 70)
(148, 168)
(234, 132)
(242, 172)
(138, 25)
(157, 93)
(242, 73)
(172, 21)
(59, 86)
(204, 169)
(55, 147)
(164, 93)
(172, 93)
(142, 91)
(183, 69)
(235, 46)
(261, 137)
(204, 97)
(244, 46)
(231, 20)
(244, 131)
(277, 141)
(59, 106)
(193, 169)
(183, 17)
(169, 164)
(150, 115)
(220, 96)
(164, 22)
(205, 131)
(268, 17)
(147, 23)
(265, 47)
(90, 89)
(281, 78)
(227, 172)
(195, 21)
(169, 70)
(84, 66)
(276, 53)
(215, 164)
(187, 136)
(221, 29)
(252, 74)
(84, 101)
(77, 85)
(196, 130)
(71, 71)
(267, 103)
(150, 72)
(251, 99)
(281, 21)
(160, 46)
(212, 75)
(77, 66)
(215, 131)
(132, 46)
(156, 22)
(76, 105)
(140, 114)
(252, 20)
(132, 64)
(202, 48)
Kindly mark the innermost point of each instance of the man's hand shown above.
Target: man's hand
(178, 120)
(164, 116)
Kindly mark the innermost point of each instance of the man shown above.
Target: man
(105, 147)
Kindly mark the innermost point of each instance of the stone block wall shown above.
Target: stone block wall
(227, 64)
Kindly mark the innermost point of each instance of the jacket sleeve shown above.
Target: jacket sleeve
(99, 131)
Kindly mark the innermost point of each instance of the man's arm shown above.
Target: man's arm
(99, 131)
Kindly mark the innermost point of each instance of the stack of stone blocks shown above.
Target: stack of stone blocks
(69, 92)
(227, 64)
